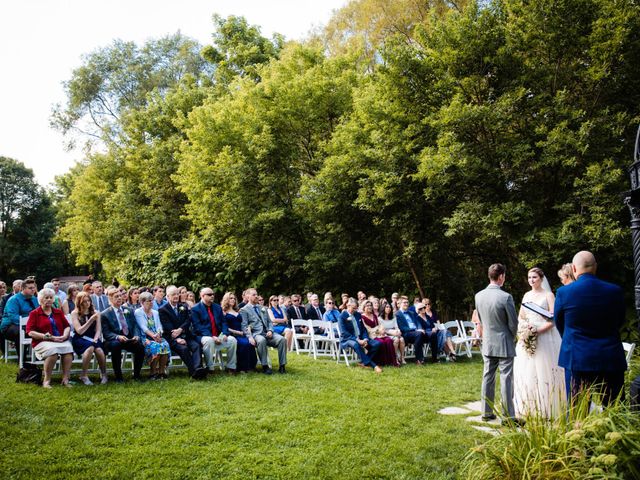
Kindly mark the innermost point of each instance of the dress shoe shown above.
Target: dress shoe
(267, 371)
(199, 374)
(419, 362)
(282, 369)
(232, 371)
(488, 418)
(138, 378)
(513, 422)
(119, 380)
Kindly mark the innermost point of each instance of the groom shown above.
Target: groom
(589, 314)
(497, 314)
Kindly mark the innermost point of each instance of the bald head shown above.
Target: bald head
(584, 262)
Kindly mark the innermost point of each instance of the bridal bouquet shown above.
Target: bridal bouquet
(528, 337)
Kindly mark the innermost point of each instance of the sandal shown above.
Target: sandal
(85, 380)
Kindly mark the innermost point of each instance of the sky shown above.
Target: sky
(42, 41)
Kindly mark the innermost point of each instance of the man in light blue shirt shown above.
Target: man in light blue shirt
(19, 305)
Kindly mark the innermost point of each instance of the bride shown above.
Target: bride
(539, 385)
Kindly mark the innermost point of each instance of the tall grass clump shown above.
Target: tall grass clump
(583, 444)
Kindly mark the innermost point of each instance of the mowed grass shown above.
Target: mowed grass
(321, 420)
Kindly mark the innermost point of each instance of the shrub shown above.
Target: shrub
(583, 444)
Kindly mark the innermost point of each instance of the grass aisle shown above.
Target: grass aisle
(321, 420)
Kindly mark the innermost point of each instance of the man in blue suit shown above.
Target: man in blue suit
(589, 314)
(354, 335)
(211, 330)
(412, 330)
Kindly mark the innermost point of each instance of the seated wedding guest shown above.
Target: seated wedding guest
(343, 304)
(390, 325)
(386, 354)
(17, 287)
(191, 299)
(120, 332)
(297, 312)
(133, 298)
(327, 296)
(431, 330)
(279, 319)
(87, 341)
(56, 288)
(412, 330)
(87, 287)
(331, 314)
(3, 289)
(18, 306)
(182, 291)
(361, 297)
(353, 334)
(99, 299)
(394, 301)
(246, 357)
(375, 302)
(158, 297)
(445, 344)
(176, 329)
(314, 309)
(49, 331)
(56, 300)
(257, 326)
(244, 300)
(211, 330)
(566, 274)
(69, 304)
(156, 348)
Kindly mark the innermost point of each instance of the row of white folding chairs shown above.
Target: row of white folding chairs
(127, 357)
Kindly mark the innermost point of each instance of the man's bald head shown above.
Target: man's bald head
(584, 262)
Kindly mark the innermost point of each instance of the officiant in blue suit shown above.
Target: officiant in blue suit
(589, 314)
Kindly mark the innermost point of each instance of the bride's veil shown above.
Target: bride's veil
(545, 284)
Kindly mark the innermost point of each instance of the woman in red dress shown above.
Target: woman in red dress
(386, 355)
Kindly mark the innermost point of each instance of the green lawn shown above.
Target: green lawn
(321, 420)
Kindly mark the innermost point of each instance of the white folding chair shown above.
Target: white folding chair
(628, 350)
(25, 344)
(459, 339)
(469, 330)
(306, 339)
(323, 344)
(343, 351)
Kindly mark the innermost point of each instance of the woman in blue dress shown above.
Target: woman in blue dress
(279, 320)
(156, 348)
(246, 353)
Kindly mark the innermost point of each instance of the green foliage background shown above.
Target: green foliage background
(401, 149)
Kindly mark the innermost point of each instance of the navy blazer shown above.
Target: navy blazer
(171, 321)
(111, 325)
(589, 314)
(312, 314)
(347, 332)
(202, 323)
(291, 313)
(403, 324)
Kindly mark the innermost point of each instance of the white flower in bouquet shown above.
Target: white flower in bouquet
(528, 337)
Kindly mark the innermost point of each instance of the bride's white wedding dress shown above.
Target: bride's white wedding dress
(539, 385)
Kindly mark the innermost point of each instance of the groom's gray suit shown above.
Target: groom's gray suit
(255, 324)
(497, 313)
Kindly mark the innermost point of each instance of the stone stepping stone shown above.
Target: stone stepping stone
(454, 411)
(474, 406)
(489, 430)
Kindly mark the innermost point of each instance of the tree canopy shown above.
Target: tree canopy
(402, 149)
